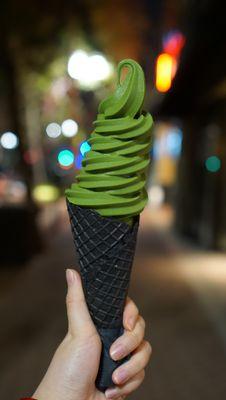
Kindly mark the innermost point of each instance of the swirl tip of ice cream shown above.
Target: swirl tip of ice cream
(113, 175)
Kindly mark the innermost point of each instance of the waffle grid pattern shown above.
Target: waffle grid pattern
(106, 249)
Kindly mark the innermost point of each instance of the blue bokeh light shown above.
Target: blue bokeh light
(78, 161)
(168, 144)
(84, 148)
(174, 142)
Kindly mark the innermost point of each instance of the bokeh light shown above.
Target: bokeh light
(165, 70)
(45, 193)
(89, 69)
(173, 43)
(69, 128)
(75, 64)
(84, 148)
(174, 142)
(99, 68)
(17, 190)
(168, 141)
(9, 140)
(78, 161)
(31, 156)
(66, 158)
(156, 196)
(59, 88)
(213, 164)
(53, 130)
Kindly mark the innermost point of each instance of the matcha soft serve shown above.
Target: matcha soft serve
(113, 174)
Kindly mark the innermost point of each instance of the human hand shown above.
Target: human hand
(74, 367)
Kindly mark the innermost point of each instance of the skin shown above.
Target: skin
(73, 369)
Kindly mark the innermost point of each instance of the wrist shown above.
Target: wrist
(43, 393)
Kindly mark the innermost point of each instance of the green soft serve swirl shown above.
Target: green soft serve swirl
(113, 174)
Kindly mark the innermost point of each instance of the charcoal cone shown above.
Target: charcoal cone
(105, 247)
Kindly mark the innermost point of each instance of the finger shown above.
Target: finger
(79, 320)
(124, 390)
(136, 363)
(130, 314)
(129, 341)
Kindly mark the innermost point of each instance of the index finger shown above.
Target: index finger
(130, 314)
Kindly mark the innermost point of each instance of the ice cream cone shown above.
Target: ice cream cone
(105, 248)
(105, 202)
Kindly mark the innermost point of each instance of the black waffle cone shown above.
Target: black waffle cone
(106, 248)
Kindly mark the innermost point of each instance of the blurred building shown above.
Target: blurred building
(197, 100)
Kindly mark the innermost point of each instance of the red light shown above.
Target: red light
(173, 43)
(31, 156)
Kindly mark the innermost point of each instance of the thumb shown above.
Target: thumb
(79, 320)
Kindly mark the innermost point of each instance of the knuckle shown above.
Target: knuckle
(148, 348)
(124, 392)
(134, 338)
(133, 306)
(136, 309)
(127, 346)
(142, 375)
(142, 322)
(137, 334)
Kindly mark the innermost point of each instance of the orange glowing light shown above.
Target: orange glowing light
(165, 71)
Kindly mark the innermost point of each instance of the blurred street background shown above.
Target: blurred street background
(58, 60)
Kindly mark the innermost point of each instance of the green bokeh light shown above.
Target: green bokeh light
(213, 164)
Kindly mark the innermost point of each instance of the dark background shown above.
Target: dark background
(179, 274)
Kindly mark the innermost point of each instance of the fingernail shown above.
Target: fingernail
(70, 277)
(117, 352)
(111, 393)
(131, 323)
(120, 376)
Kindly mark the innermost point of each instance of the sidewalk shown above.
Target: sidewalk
(180, 292)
